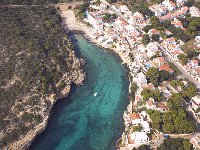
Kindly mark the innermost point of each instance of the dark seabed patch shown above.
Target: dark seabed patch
(84, 121)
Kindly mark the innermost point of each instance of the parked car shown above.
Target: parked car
(166, 136)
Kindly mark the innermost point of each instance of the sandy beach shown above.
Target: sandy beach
(71, 23)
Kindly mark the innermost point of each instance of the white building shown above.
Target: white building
(123, 8)
(195, 102)
(160, 107)
(95, 20)
(145, 127)
(150, 104)
(170, 41)
(194, 11)
(180, 2)
(169, 5)
(159, 10)
(152, 49)
(132, 30)
(197, 39)
(139, 137)
(141, 79)
(196, 142)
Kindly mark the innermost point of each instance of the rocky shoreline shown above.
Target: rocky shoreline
(77, 78)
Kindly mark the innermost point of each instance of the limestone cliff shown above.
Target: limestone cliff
(37, 67)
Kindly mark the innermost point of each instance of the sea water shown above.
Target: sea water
(85, 121)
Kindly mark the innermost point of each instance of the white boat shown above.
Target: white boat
(95, 94)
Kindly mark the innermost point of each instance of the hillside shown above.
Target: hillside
(37, 66)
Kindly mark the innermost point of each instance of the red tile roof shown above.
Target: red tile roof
(172, 3)
(161, 59)
(160, 105)
(134, 116)
(195, 62)
(150, 102)
(166, 68)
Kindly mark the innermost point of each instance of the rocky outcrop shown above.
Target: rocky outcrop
(37, 67)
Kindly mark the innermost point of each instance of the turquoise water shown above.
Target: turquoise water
(84, 121)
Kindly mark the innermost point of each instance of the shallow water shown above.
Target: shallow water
(84, 121)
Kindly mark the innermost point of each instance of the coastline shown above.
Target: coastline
(77, 78)
(70, 23)
(74, 25)
(26, 141)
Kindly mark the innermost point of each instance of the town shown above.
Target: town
(160, 46)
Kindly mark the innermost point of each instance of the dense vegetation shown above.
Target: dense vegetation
(109, 17)
(175, 121)
(175, 144)
(156, 76)
(142, 147)
(187, 91)
(81, 9)
(155, 94)
(191, 24)
(27, 2)
(34, 56)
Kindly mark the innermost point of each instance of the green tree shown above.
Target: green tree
(146, 94)
(187, 145)
(172, 144)
(168, 127)
(183, 58)
(137, 128)
(157, 95)
(191, 53)
(98, 2)
(145, 39)
(166, 24)
(155, 1)
(143, 147)
(155, 22)
(147, 28)
(153, 75)
(164, 75)
(174, 83)
(191, 91)
(193, 27)
(108, 17)
(156, 118)
(134, 86)
(175, 101)
(155, 37)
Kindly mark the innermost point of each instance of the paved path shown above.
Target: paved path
(180, 67)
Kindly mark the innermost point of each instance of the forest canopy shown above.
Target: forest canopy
(35, 54)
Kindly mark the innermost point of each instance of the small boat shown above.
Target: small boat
(95, 94)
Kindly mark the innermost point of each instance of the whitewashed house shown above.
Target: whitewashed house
(141, 79)
(136, 118)
(150, 104)
(196, 142)
(139, 137)
(95, 20)
(160, 107)
(194, 11)
(145, 127)
(159, 10)
(152, 49)
(195, 102)
(197, 39)
(169, 5)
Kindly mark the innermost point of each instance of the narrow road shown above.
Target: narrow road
(180, 67)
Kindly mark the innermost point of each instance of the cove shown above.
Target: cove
(84, 121)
